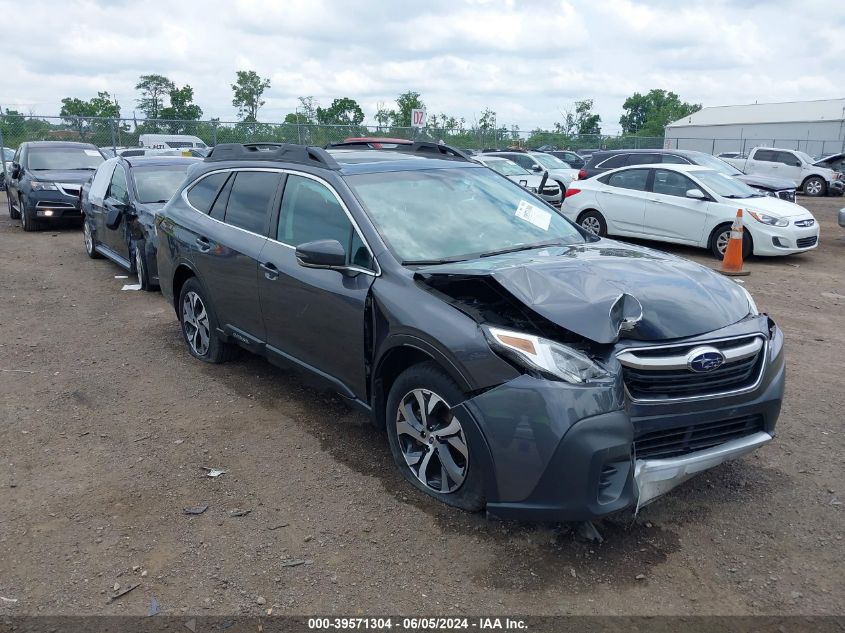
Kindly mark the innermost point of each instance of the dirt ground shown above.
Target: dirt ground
(106, 423)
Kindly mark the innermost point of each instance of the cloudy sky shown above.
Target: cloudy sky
(528, 60)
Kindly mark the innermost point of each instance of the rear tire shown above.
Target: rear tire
(719, 239)
(15, 214)
(28, 220)
(593, 222)
(199, 324)
(815, 186)
(429, 443)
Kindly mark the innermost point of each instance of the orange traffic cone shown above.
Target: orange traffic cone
(732, 262)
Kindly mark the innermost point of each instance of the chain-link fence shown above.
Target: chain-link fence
(122, 133)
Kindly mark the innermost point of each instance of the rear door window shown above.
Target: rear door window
(629, 179)
(249, 200)
(643, 159)
(675, 160)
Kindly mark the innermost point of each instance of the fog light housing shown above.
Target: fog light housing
(776, 241)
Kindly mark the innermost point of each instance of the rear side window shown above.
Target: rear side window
(202, 195)
(629, 179)
(311, 212)
(250, 199)
(643, 159)
(675, 160)
(614, 161)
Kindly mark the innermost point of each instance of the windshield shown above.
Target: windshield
(158, 183)
(8, 154)
(506, 167)
(716, 164)
(725, 186)
(44, 158)
(460, 213)
(550, 162)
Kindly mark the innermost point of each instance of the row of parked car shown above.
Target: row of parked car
(518, 362)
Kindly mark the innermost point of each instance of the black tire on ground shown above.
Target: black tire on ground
(199, 324)
(815, 186)
(89, 240)
(28, 220)
(13, 213)
(594, 221)
(467, 494)
(139, 254)
(723, 231)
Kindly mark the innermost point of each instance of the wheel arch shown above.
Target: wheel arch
(716, 229)
(820, 177)
(182, 274)
(402, 353)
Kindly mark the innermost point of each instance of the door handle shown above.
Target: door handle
(204, 244)
(657, 201)
(270, 270)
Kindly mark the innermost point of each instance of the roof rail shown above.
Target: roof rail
(416, 147)
(286, 152)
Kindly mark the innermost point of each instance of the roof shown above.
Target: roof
(368, 161)
(61, 144)
(785, 112)
(144, 161)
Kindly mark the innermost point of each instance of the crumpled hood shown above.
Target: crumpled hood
(766, 182)
(578, 288)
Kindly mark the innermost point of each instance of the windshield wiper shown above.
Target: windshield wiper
(523, 247)
(733, 196)
(432, 262)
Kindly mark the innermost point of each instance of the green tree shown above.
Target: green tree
(87, 117)
(585, 121)
(153, 90)
(182, 106)
(407, 101)
(343, 111)
(383, 116)
(248, 89)
(487, 120)
(648, 115)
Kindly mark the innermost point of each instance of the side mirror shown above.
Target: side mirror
(696, 194)
(321, 254)
(16, 170)
(536, 168)
(117, 209)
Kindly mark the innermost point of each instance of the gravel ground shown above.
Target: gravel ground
(107, 423)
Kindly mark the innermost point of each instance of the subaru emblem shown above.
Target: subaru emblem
(704, 359)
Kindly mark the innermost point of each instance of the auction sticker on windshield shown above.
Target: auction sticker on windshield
(92, 152)
(535, 215)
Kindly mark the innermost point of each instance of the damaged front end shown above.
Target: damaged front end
(563, 435)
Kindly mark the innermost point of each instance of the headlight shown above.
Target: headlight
(532, 189)
(43, 186)
(765, 218)
(766, 192)
(752, 306)
(545, 356)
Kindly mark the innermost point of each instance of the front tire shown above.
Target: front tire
(719, 242)
(429, 442)
(593, 222)
(199, 324)
(28, 220)
(141, 268)
(815, 186)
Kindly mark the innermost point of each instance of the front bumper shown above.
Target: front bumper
(836, 188)
(787, 240)
(561, 452)
(842, 217)
(53, 205)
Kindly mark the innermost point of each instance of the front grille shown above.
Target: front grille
(69, 189)
(787, 194)
(551, 191)
(681, 440)
(806, 242)
(659, 374)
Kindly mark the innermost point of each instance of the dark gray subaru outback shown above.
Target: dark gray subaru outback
(516, 363)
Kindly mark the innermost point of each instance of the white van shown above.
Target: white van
(170, 141)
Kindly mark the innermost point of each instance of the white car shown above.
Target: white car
(538, 162)
(551, 190)
(688, 204)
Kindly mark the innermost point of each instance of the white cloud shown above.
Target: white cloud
(526, 60)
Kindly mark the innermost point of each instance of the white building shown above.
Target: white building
(816, 127)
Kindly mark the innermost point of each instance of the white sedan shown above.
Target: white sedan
(688, 204)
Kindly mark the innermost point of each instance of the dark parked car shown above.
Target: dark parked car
(119, 204)
(46, 178)
(8, 155)
(570, 158)
(517, 362)
(601, 162)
